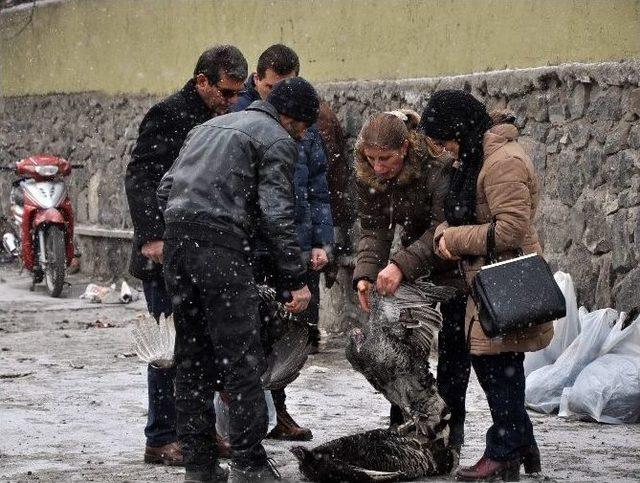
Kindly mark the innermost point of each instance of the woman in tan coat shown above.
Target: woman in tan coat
(495, 182)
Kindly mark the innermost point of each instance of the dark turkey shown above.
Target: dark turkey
(284, 339)
(378, 455)
(392, 351)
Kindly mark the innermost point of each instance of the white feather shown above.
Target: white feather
(154, 341)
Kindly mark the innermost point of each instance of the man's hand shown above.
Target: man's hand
(319, 259)
(153, 250)
(363, 294)
(299, 300)
(389, 280)
(444, 252)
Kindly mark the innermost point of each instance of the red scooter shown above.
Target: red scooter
(43, 218)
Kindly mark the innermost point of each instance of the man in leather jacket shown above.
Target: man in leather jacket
(312, 210)
(233, 177)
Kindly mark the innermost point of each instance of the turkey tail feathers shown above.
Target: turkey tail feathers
(287, 340)
(153, 341)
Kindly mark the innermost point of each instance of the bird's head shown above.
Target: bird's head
(357, 338)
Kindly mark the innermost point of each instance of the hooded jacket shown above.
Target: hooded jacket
(234, 176)
(414, 201)
(507, 191)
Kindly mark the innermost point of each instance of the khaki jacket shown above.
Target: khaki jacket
(414, 201)
(507, 192)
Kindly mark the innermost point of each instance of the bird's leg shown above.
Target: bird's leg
(404, 428)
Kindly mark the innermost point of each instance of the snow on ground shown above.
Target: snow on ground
(73, 401)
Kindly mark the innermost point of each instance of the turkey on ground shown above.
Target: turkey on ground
(377, 455)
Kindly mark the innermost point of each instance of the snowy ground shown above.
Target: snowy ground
(73, 401)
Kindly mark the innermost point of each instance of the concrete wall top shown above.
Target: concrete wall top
(136, 46)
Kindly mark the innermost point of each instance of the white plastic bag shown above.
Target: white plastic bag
(544, 386)
(565, 330)
(109, 295)
(222, 414)
(608, 389)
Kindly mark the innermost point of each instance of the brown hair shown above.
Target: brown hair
(387, 130)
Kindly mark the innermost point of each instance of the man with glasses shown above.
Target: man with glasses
(217, 80)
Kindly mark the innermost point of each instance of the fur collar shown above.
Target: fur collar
(415, 166)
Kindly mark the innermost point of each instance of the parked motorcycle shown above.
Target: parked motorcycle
(43, 219)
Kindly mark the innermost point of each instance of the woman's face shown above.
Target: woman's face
(386, 163)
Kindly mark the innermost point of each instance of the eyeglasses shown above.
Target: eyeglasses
(437, 147)
(436, 142)
(229, 93)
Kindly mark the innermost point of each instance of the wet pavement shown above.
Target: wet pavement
(73, 401)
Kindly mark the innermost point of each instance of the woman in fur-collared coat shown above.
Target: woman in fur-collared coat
(399, 182)
(494, 182)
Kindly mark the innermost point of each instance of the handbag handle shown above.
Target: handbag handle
(491, 243)
(492, 255)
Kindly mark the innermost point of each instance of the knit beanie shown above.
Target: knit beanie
(454, 115)
(457, 115)
(296, 98)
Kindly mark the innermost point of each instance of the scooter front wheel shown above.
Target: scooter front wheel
(55, 269)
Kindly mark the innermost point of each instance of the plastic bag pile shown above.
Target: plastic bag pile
(591, 368)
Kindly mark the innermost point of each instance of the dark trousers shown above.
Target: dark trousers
(215, 307)
(502, 379)
(454, 364)
(312, 314)
(161, 417)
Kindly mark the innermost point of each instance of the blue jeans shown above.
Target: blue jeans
(161, 418)
(502, 379)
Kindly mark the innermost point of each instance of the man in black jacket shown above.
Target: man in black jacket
(216, 81)
(233, 177)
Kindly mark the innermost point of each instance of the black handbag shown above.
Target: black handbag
(515, 294)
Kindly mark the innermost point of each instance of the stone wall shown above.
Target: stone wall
(580, 123)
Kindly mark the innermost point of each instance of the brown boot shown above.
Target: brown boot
(224, 448)
(487, 469)
(169, 454)
(287, 429)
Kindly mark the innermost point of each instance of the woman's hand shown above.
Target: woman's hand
(443, 251)
(389, 280)
(363, 294)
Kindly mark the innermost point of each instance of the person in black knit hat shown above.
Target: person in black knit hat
(279, 66)
(233, 175)
(495, 183)
(296, 98)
